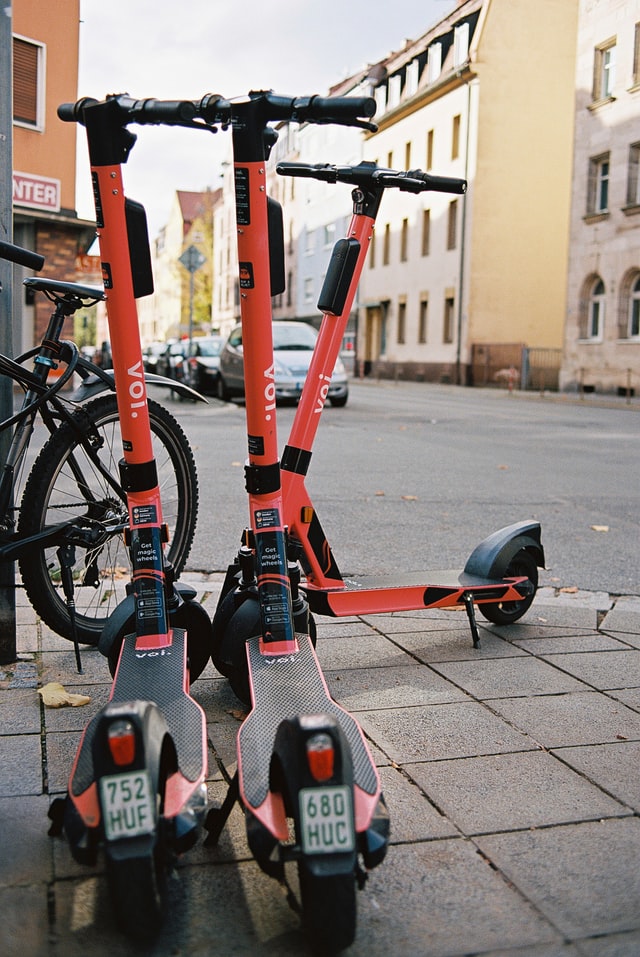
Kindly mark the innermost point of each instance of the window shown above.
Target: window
(390, 159)
(636, 56)
(595, 315)
(404, 241)
(633, 331)
(413, 76)
(387, 245)
(308, 289)
(455, 137)
(598, 189)
(28, 83)
(372, 251)
(395, 88)
(329, 234)
(407, 156)
(448, 326)
(423, 320)
(604, 70)
(452, 224)
(633, 179)
(460, 44)
(380, 96)
(426, 231)
(434, 62)
(402, 321)
(309, 242)
(429, 163)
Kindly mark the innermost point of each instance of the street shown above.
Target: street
(411, 476)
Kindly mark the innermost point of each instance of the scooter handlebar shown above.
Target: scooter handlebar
(21, 256)
(368, 175)
(149, 111)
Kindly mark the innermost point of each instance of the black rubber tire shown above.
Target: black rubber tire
(138, 888)
(339, 402)
(329, 909)
(505, 613)
(222, 392)
(51, 495)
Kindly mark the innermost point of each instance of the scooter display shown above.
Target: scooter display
(137, 787)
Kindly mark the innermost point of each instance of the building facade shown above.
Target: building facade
(602, 335)
(44, 157)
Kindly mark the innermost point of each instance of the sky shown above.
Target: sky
(172, 50)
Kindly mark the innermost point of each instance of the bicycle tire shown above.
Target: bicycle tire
(52, 495)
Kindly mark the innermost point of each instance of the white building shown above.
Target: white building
(602, 335)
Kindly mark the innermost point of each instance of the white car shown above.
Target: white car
(293, 345)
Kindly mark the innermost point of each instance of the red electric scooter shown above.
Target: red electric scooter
(137, 786)
(501, 574)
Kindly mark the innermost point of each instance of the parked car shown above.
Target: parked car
(293, 344)
(170, 360)
(150, 355)
(201, 365)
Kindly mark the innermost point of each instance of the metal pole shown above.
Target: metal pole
(7, 568)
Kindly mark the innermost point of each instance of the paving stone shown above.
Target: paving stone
(613, 767)
(441, 731)
(502, 678)
(372, 651)
(504, 792)
(614, 669)
(24, 925)
(413, 817)
(25, 854)
(449, 645)
(366, 689)
(570, 644)
(570, 719)
(618, 945)
(19, 711)
(20, 765)
(624, 616)
(584, 878)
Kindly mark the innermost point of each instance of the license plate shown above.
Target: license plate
(326, 819)
(127, 805)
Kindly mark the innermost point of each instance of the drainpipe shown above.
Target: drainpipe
(463, 242)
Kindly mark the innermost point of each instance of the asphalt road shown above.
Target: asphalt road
(410, 477)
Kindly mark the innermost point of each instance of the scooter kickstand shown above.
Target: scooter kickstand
(217, 817)
(471, 615)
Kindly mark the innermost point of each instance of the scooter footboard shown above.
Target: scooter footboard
(287, 685)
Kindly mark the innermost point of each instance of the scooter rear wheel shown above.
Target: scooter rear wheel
(329, 909)
(505, 613)
(138, 888)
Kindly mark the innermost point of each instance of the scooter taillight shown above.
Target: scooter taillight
(121, 737)
(321, 756)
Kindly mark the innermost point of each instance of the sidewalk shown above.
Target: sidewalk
(512, 776)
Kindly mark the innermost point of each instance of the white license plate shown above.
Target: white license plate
(326, 818)
(127, 805)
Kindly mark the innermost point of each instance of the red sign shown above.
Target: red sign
(36, 192)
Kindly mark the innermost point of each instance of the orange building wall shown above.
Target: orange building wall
(51, 152)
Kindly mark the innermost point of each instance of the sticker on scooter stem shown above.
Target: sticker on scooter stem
(246, 276)
(243, 206)
(107, 281)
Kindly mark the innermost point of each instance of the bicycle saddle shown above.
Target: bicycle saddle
(60, 290)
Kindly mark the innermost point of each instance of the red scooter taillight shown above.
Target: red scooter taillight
(121, 737)
(321, 756)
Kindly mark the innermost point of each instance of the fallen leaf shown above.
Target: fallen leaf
(600, 528)
(54, 696)
(622, 737)
(409, 498)
(569, 590)
(503, 468)
(237, 713)
(380, 493)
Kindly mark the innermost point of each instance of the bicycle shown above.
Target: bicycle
(66, 530)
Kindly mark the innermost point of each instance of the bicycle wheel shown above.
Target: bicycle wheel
(65, 483)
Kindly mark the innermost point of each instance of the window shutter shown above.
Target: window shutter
(25, 81)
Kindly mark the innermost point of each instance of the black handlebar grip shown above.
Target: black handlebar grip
(72, 112)
(20, 256)
(159, 111)
(439, 184)
(342, 107)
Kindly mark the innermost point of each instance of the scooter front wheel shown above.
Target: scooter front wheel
(506, 612)
(329, 909)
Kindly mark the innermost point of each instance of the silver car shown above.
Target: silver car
(293, 344)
